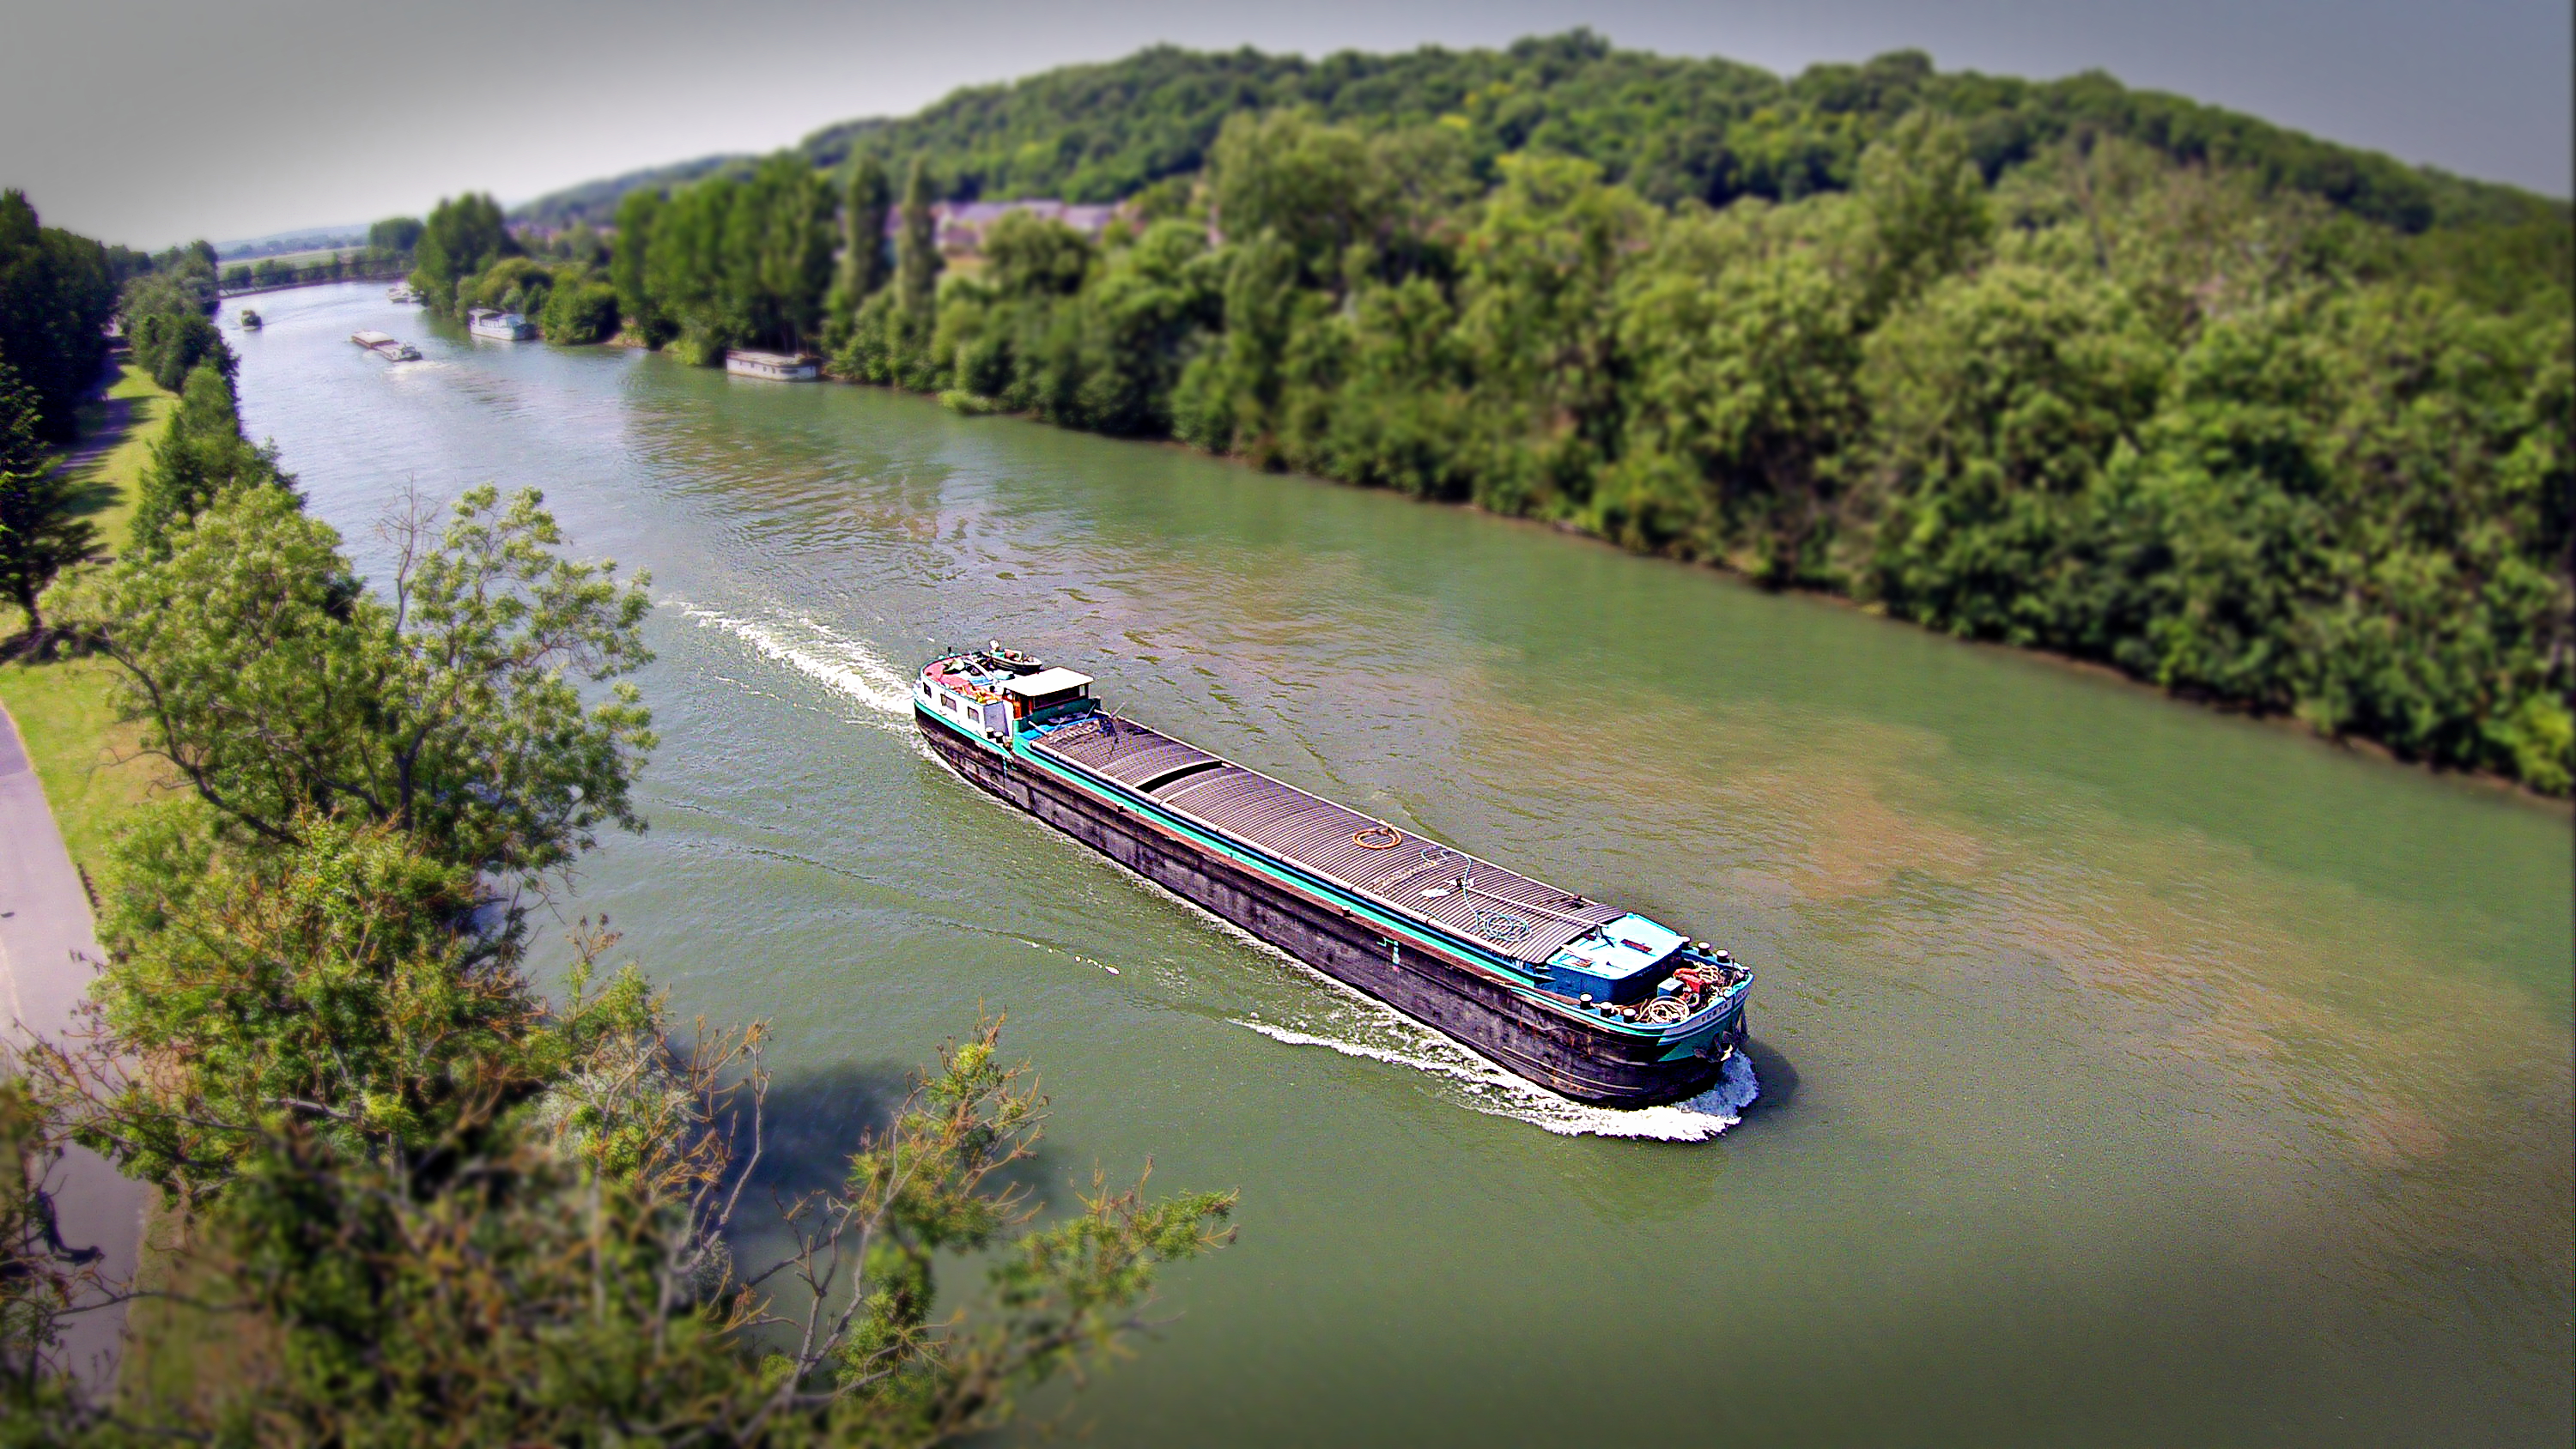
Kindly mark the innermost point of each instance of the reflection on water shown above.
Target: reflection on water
(2128, 1073)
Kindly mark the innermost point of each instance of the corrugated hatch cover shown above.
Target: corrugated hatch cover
(1511, 913)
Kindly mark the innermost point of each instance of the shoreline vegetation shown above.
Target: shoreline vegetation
(402, 1195)
(2264, 422)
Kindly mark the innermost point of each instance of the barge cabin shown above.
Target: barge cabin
(386, 346)
(1584, 998)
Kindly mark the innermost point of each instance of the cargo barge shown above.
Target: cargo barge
(1586, 999)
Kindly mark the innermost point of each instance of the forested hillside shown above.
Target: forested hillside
(2262, 420)
(1668, 128)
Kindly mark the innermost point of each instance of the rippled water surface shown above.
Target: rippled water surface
(2130, 1074)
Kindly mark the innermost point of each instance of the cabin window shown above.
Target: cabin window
(947, 701)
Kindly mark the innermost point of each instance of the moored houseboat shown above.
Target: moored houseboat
(499, 326)
(1584, 998)
(776, 366)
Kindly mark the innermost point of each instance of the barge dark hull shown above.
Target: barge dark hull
(1434, 988)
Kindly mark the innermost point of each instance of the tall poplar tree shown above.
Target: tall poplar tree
(40, 531)
(862, 270)
(637, 214)
(916, 248)
(863, 224)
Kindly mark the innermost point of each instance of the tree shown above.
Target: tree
(274, 684)
(687, 267)
(167, 325)
(1026, 255)
(862, 264)
(638, 213)
(339, 983)
(199, 456)
(41, 530)
(1537, 324)
(1318, 187)
(778, 241)
(395, 234)
(464, 234)
(56, 296)
(1927, 208)
(1742, 401)
(578, 310)
(1999, 401)
(917, 261)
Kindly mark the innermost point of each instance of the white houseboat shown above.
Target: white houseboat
(499, 326)
(777, 366)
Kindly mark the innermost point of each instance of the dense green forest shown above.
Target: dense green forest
(57, 294)
(2264, 420)
(1668, 128)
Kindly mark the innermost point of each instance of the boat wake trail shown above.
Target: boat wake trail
(1489, 1088)
(835, 661)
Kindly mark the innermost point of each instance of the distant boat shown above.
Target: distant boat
(250, 320)
(401, 292)
(498, 325)
(776, 366)
(386, 346)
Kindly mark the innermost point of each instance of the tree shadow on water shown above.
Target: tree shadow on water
(814, 1120)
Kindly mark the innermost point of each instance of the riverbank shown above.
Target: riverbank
(973, 405)
(389, 276)
(68, 779)
(82, 756)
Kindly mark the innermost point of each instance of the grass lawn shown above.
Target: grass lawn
(61, 706)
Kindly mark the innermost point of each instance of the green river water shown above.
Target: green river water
(2131, 1073)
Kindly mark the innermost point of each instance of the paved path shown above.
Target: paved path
(47, 943)
(102, 440)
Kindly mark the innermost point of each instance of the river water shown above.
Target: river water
(2130, 1073)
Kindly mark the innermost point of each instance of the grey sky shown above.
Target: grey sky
(151, 122)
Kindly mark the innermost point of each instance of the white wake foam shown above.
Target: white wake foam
(834, 660)
(1492, 1089)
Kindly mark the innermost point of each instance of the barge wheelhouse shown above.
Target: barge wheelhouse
(1582, 997)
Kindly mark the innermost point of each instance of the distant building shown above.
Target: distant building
(776, 366)
(961, 224)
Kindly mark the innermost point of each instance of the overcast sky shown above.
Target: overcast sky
(148, 123)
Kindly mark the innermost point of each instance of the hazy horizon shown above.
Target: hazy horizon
(147, 124)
